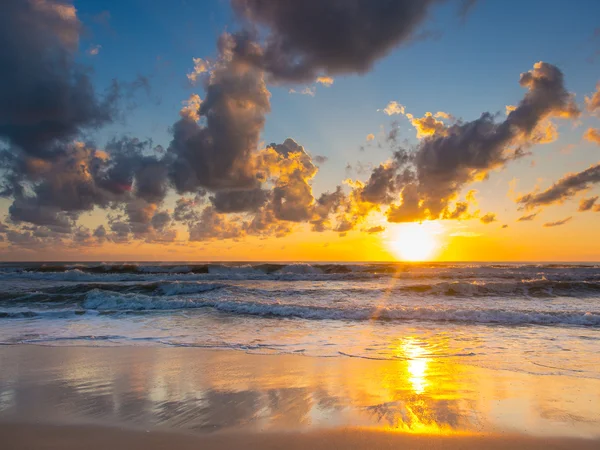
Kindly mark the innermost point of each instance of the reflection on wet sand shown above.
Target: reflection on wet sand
(200, 390)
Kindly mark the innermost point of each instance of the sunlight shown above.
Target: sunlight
(417, 365)
(416, 241)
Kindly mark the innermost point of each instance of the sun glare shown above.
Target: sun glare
(416, 241)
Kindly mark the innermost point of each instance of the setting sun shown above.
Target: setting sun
(416, 241)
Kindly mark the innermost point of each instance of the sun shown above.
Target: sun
(416, 241)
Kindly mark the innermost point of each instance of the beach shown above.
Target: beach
(126, 397)
(362, 355)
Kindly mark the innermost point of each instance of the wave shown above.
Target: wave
(282, 268)
(101, 301)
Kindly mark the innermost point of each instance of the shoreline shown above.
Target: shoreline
(192, 390)
(22, 436)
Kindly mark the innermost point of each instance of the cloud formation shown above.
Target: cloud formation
(467, 151)
(393, 107)
(592, 135)
(527, 217)
(563, 189)
(557, 223)
(309, 39)
(592, 102)
(488, 218)
(46, 97)
(587, 204)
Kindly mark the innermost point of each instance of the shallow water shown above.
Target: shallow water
(534, 318)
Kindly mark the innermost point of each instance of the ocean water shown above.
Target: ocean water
(535, 318)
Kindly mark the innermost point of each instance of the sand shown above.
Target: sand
(48, 437)
(149, 397)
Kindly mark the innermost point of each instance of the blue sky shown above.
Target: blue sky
(465, 67)
(461, 65)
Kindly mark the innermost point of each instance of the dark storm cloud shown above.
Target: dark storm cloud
(557, 223)
(314, 37)
(45, 96)
(563, 189)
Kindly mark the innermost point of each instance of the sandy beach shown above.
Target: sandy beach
(149, 397)
(21, 437)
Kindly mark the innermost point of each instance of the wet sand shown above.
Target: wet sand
(85, 397)
(47, 437)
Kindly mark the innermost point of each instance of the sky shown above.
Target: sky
(239, 130)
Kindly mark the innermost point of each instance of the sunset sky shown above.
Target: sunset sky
(249, 130)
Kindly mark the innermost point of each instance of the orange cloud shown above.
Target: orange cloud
(592, 135)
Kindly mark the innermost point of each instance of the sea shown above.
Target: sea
(535, 318)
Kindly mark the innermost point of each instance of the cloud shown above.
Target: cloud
(557, 223)
(372, 230)
(306, 91)
(592, 135)
(93, 50)
(504, 226)
(592, 103)
(239, 201)
(320, 159)
(467, 151)
(427, 125)
(527, 218)
(325, 81)
(563, 189)
(586, 204)
(488, 218)
(45, 95)
(304, 42)
(200, 68)
(393, 107)
(218, 154)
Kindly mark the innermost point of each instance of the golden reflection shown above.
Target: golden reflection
(417, 364)
(220, 390)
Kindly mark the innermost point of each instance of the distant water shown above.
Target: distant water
(540, 318)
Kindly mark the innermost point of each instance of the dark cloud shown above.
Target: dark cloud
(563, 189)
(409, 210)
(45, 96)
(504, 226)
(239, 201)
(377, 229)
(310, 38)
(28, 210)
(326, 205)
(218, 154)
(212, 225)
(557, 223)
(319, 159)
(488, 218)
(468, 151)
(587, 204)
(388, 179)
(527, 218)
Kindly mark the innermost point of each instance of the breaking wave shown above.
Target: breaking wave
(102, 301)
